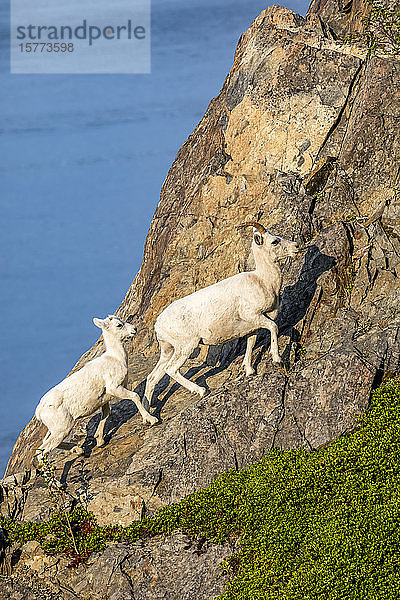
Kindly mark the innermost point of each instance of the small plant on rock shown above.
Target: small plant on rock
(381, 29)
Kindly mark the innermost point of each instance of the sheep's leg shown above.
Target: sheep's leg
(55, 439)
(158, 372)
(46, 437)
(99, 435)
(273, 329)
(40, 451)
(251, 341)
(120, 392)
(62, 446)
(172, 369)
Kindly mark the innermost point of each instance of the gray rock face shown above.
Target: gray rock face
(162, 568)
(304, 138)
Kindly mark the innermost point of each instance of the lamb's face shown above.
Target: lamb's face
(119, 328)
(274, 246)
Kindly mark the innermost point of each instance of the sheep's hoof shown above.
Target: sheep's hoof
(248, 369)
(202, 392)
(277, 361)
(249, 372)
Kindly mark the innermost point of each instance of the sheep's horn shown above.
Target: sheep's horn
(260, 228)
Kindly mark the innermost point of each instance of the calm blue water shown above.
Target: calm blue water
(82, 160)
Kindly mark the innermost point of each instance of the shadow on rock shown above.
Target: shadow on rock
(121, 412)
(296, 298)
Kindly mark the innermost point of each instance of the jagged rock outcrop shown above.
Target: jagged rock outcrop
(304, 138)
(341, 17)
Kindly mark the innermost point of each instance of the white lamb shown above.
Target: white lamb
(235, 307)
(87, 390)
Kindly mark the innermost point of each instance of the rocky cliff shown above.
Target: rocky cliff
(303, 138)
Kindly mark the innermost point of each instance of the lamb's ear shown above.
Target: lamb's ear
(98, 323)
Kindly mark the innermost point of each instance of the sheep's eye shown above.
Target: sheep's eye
(275, 242)
(258, 239)
(119, 325)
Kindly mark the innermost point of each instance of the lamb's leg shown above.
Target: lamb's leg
(251, 341)
(46, 437)
(158, 372)
(99, 435)
(59, 423)
(172, 369)
(120, 392)
(259, 321)
(55, 439)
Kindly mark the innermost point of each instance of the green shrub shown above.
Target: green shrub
(311, 525)
(380, 29)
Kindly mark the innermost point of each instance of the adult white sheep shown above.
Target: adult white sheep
(87, 390)
(235, 307)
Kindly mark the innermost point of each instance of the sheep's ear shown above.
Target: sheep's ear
(98, 323)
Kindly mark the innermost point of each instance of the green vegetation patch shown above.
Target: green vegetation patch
(311, 525)
(380, 29)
